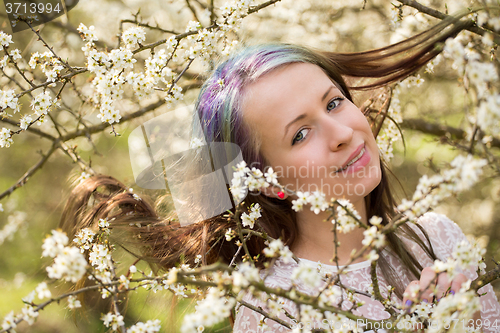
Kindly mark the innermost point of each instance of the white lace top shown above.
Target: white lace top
(443, 234)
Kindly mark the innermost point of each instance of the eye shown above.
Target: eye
(334, 103)
(300, 136)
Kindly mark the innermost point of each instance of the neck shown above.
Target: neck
(315, 240)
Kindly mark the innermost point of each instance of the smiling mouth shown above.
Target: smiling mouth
(354, 160)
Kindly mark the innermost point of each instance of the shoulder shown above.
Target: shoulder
(443, 233)
(440, 228)
(434, 221)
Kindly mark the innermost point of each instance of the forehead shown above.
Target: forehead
(281, 95)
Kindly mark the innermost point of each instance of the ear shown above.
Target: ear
(274, 192)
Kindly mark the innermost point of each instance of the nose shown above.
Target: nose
(339, 133)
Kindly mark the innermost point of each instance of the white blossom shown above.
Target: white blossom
(196, 143)
(88, 34)
(317, 202)
(9, 321)
(29, 314)
(307, 275)
(151, 326)
(375, 220)
(299, 203)
(271, 176)
(230, 234)
(43, 291)
(99, 256)
(3, 62)
(107, 112)
(175, 95)
(8, 99)
(103, 223)
(488, 114)
(84, 238)
(467, 255)
(346, 222)
(245, 274)
(55, 244)
(277, 248)
(372, 256)
(464, 173)
(112, 320)
(214, 308)
(5, 39)
(25, 121)
(41, 103)
(69, 264)
(15, 221)
(460, 306)
(73, 302)
(372, 235)
(248, 220)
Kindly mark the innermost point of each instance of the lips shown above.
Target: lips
(355, 156)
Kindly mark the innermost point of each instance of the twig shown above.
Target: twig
(191, 8)
(442, 130)
(178, 37)
(30, 129)
(31, 171)
(62, 78)
(376, 289)
(17, 68)
(255, 9)
(51, 49)
(265, 314)
(145, 25)
(212, 12)
(484, 279)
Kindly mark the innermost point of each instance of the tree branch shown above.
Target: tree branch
(484, 279)
(437, 14)
(442, 130)
(31, 171)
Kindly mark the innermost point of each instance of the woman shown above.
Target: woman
(289, 108)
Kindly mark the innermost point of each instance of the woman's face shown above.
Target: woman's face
(312, 136)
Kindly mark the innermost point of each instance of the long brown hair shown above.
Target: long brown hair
(163, 242)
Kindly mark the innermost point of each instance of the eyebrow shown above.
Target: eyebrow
(302, 116)
(327, 92)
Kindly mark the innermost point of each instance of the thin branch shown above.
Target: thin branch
(30, 129)
(62, 78)
(31, 171)
(12, 79)
(192, 9)
(50, 48)
(442, 130)
(145, 25)
(212, 12)
(376, 289)
(15, 65)
(265, 314)
(484, 279)
(178, 37)
(255, 9)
